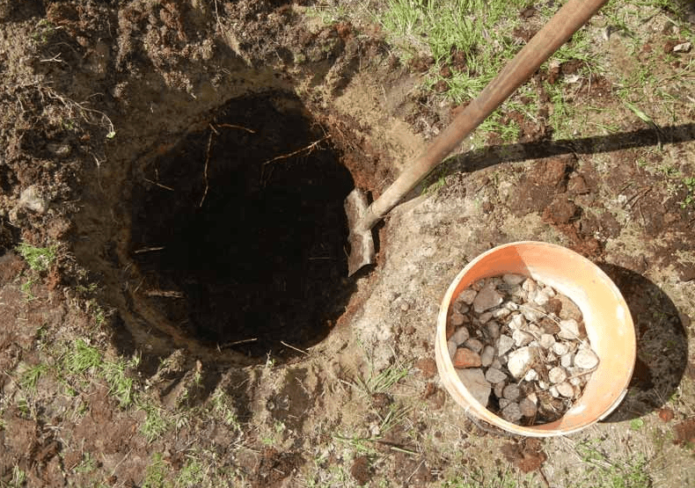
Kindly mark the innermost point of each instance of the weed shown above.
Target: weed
(155, 424)
(31, 377)
(82, 358)
(87, 465)
(38, 258)
(690, 196)
(19, 477)
(193, 474)
(382, 381)
(155, 474)
(636, 424)
(26, 289)
(605, 474)
(221, 406)
(120, 385)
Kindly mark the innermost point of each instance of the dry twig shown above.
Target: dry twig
(207, 162)
(308, 148)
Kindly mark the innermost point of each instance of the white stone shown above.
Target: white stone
(566, 360)
(527, 407)
(474, 345)
(511, 392)
(520, 361)
(513, 279)
(467, 296)
(542, 385)
(531, 314)
(531, 375)
(460, 336)
(553, 391)
(475, 383)
(565, 389)
(517, 322)
(487, 298)
(557, 375)
(549, 291)
(504, 344)
(576, 381)
(560, 348)
(501, 313)
(487, 356)
(546, 341)
(483, 319)
(521, 338)
(529, 285)
(569, 329)
(495, 375)
(585, 359)
(541, 298)
(452, 348)
(493, 330)
(513, 307)
(511, 412)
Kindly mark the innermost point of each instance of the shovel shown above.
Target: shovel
(362, 217)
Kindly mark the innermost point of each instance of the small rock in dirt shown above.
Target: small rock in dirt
(569, 329)
(520, 361)
(487, 356)
(682, 48)
(513, 279)
(457, 319)
(502, 313)
(577, 185)
(568, 310)
(361, 470)
(666, 414)
(546, 341)
(465, 358)
(493, 330)
(511, 392)
(31, 199)
(504, 345)
(60, 150)
(460, 336)
(484, 318)
(585, 359)
(527, 407)
(565, 389)
(487, 298)
(521, 338)
(427, 366)
(467, 296)
(452, 348)
(476, 384)
(541, 298)
(474, 345)
(557, 375)
(494, 375)
(512, 412)
(517, 322)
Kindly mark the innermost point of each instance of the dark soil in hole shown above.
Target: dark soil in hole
(259, 259)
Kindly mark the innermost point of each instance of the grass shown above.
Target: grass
(689, 199)
(155, 424)
(156, 473)
(31, 377)
(602, 472)
(38, 258)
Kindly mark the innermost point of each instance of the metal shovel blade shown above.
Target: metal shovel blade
(360, 238)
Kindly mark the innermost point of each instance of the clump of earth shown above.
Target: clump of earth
(520, 348)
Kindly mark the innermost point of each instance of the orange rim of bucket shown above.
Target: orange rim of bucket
(607, 320)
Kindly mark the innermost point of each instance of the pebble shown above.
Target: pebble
(503, 403)
(521, 338)
(487, 298)
(495, 375)
(504, 345)
(512, 412)
(499, 389)
(513, 279)
(487, 356)
(465, 358)
(531, 314)
(565, 389)
(560, 348)
(517, 322)
(476, 384)
(546, 341)
(541, 298)
(493, 330)
(569, 329)
(567, 360)
(474, 345)
(484, 318)
(519, 361)
(585, 359)
(511, 392)
(528, 408)
(531, 375)
(452, 348)
(569, 310)
(529, 285)
(31, 199)
(467, 296)
(557, 375)
(460, 336)
(457, 319)
(501, 313)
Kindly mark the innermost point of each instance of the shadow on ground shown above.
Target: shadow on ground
(662, 345)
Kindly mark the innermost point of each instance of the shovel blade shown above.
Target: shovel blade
(360, 238)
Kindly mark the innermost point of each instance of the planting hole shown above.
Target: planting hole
(239, 230)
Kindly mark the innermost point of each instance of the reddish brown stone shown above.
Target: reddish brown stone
(465, 358)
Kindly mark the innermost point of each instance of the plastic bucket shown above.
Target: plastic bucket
(606, 317)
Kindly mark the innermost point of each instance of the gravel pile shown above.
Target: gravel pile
(520, 348)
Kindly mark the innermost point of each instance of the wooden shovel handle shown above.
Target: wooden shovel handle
(573, 15)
